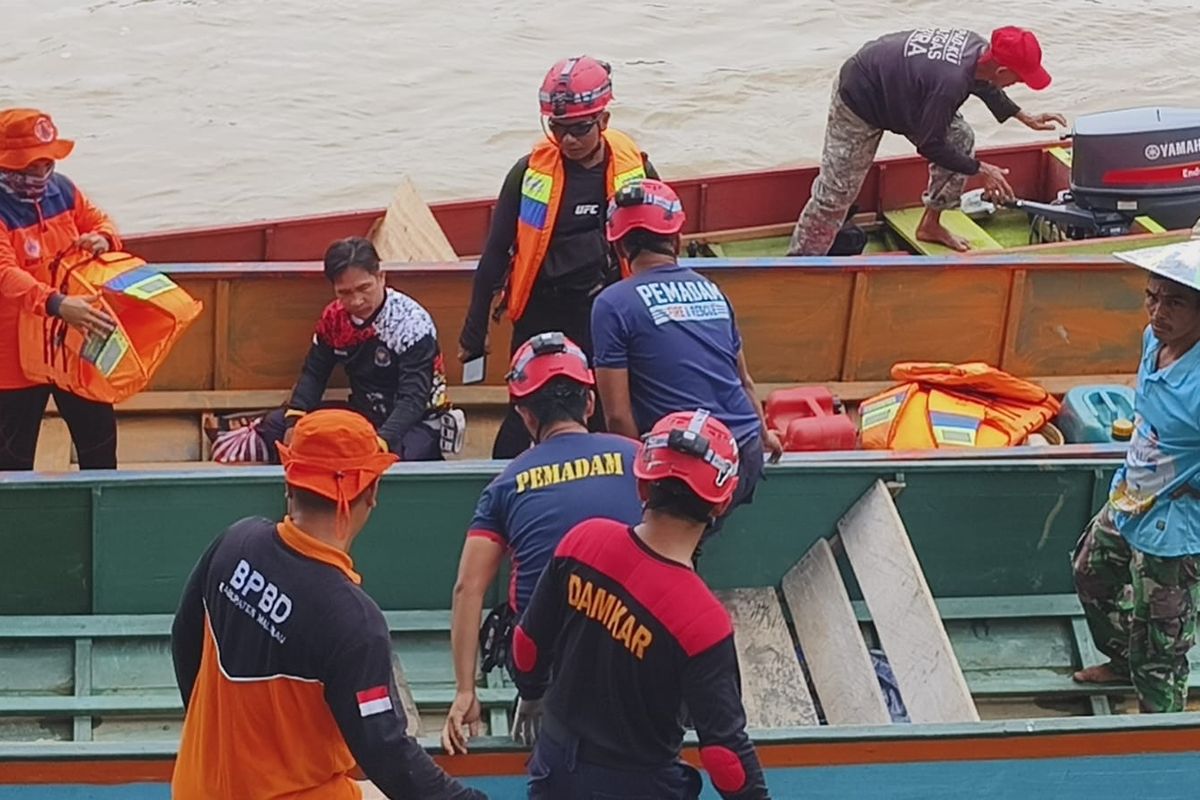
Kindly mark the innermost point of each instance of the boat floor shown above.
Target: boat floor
(109, 679)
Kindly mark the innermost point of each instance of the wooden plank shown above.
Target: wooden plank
(1144, 224)
(406, 696)
(906, 617)
(54, 446)
(220, 341)
(409, 231)
(834, 651)
(856, 325)
(904, 221)
(774, 691)
(1012, 317)
(924, 314)
(83, 687)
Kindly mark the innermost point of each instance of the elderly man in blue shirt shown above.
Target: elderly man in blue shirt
(1137, 566)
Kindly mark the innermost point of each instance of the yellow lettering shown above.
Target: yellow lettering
(535, 478)
(574, 587)
(612, 464)
(585, 599)
(582, 468)
(627, 632)
(568, 473)
(555, 474)
(606, 608)
(597, 602)
(614, 621)
(598, 466)
(641, 640)
(522, 481)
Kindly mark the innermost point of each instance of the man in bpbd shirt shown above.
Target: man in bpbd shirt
(1144, 543)
(283, 661)
(666, 338)
(621, 633)
(913, 83)
(568, 476)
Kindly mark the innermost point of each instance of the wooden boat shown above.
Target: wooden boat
(87, 694)
(1064, 314)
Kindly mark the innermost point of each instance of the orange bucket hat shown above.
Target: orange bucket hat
(336, 454)
(26, 135)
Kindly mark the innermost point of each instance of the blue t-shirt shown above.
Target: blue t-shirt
(1155, 496)
(675, 333)
(547, 490)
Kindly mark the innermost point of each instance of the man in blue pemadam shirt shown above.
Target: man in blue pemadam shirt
(666, 340)
(1137, 566)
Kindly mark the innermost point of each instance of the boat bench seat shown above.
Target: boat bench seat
(93, 669)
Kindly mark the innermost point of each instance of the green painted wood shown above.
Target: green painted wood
(48, 542)
(905, 221)
(980, 527)
(36, 666)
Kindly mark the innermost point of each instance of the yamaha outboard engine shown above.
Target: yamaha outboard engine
(1126, 164)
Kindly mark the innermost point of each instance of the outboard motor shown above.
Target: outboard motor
(1126, 164)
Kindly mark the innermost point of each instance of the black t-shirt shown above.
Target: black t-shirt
(630, 637)
(913, 83)
(579, 259)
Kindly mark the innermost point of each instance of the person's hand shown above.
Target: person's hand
(462, 723)
(527, 722)
(998, 189)
(94, 243)
(773, 444)
(1042, 122)
(466, 354)
(288, 433)
(78, 311)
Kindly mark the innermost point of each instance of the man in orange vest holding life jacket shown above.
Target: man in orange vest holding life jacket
(42, 215)
(547, 232)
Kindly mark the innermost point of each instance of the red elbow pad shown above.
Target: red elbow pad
(525, 650)
(724, 767)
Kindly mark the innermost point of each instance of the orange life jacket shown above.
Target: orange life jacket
(31, 235)
(541, 193)
(151, 311)
(953, 405)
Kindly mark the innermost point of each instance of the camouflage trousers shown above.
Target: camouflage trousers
(1141, 610)
(849, 151)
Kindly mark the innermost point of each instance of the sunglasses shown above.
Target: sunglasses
(576, 129)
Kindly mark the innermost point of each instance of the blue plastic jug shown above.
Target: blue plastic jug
(1088, 412)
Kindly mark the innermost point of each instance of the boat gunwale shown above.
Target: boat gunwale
(1074, 457)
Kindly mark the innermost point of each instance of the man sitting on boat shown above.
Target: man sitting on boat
(1144, 543)
(913, 83)
(621, 633)
(387, 343)
(666, 338)
(43, 215)
(547, 231)
(568, 476)
(283, 661)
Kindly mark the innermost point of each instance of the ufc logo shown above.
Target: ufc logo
(587, 209)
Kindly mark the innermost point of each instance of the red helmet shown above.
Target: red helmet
(648, 204)
(545, 356)
(698, 449)
(576, 87)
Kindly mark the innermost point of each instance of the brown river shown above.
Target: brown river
(195, 112)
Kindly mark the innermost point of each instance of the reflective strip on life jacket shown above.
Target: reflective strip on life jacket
(541, 193)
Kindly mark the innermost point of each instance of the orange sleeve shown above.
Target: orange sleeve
(90, 219)
(17, 285)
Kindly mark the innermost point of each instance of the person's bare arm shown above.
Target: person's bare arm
(477, 568)
(613, 385)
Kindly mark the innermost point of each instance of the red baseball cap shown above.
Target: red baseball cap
(1018, 50)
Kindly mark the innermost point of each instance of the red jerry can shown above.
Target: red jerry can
(810, 418)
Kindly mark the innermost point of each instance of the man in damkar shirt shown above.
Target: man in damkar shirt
(284, 663)
(913, 83)
(621, 633)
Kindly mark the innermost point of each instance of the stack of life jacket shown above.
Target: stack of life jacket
(151, 312)
(953, 405)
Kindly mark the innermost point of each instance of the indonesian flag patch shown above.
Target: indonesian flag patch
(373, 701)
